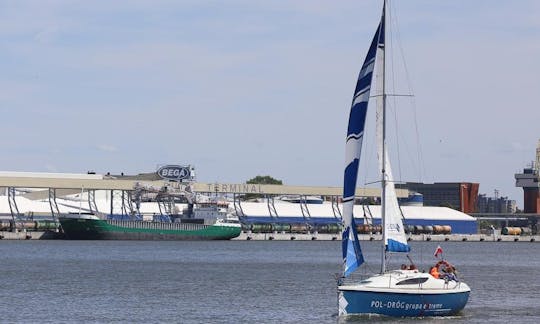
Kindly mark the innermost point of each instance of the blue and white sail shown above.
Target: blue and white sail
(352, 254)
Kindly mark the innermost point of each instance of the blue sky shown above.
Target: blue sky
(242, 88)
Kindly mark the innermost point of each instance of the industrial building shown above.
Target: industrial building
(326, 213)
(529, 180)
(461, 196)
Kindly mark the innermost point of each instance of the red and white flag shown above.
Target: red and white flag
(438, 251)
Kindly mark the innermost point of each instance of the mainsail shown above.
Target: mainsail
(352, 254)
(393, 231)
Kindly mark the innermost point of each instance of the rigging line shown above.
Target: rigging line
(421, 166)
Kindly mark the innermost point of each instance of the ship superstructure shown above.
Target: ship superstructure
(529, 181)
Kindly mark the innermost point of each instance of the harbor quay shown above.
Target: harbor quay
(31, 235)
(170, 202)
(246, 236)
(378, 237)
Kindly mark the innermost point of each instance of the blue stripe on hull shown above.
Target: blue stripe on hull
(404, 305)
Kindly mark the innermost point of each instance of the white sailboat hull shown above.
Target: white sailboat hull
(403, 293)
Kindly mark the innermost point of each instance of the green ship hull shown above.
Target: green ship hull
(99, 229)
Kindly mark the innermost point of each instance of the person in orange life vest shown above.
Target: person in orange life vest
(434, 272)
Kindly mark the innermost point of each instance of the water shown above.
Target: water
(237, 281)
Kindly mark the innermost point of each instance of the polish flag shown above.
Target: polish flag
(438, 251)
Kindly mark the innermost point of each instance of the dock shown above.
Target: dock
(31, 235)
(244, 236)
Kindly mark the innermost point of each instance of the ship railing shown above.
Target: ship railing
(154, 225)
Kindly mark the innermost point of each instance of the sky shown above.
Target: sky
(246, 88)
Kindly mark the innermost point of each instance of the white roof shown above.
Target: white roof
(16, 174)
(325, 210)
(285, 209)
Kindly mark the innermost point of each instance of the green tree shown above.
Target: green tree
(261, 180)
(264, 180)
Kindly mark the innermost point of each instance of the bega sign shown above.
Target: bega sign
(174, 172)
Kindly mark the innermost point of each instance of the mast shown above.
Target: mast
(383, 171)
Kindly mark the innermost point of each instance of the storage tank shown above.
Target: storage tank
(511, 231)
(281, 227)
(46, 225)
(442, 229)
(5, 225)
(409, 229)
(363, 229)
(27, 225)
(334, 228)
(299, 228)
(327, 228)
(261, 228)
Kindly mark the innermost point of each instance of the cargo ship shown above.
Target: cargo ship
(206, 223)
(94, 228)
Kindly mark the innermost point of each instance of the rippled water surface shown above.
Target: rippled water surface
(238, 281)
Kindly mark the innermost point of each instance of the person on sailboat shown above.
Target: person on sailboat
(434, 272)
(449, 274)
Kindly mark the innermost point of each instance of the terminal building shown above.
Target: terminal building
(461, 196)
(113, 196)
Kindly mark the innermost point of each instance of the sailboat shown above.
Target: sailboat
(404, 292)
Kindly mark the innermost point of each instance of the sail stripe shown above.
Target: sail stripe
(354, 136)
(351, 173)
(361, 98)
(395, 246)
(365, 81)
(358, 115)
(352, 253)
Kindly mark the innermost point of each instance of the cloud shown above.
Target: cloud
(253, 87)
